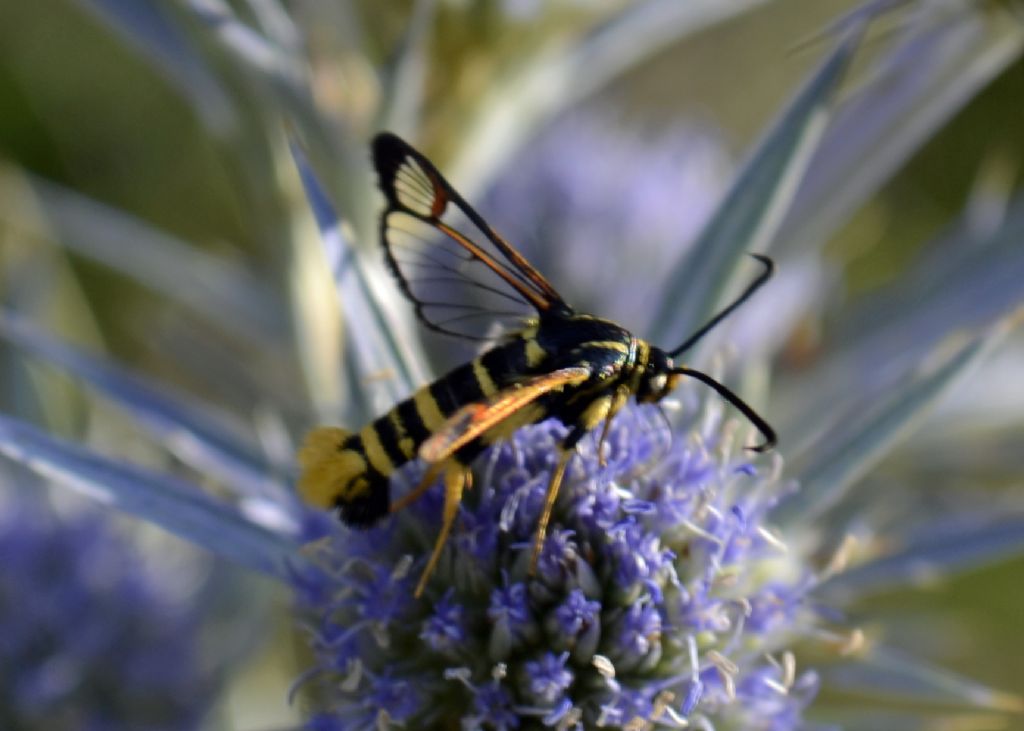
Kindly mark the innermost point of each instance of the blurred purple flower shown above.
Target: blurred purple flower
(88, 639)
(594, 206)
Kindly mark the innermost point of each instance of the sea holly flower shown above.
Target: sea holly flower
(684, 583)
(631, 617)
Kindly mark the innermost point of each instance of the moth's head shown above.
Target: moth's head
(657, 380)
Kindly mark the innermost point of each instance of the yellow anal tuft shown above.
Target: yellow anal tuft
(328, 470)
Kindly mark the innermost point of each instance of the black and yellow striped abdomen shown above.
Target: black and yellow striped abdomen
(351, 471)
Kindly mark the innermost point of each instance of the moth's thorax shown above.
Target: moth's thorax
(562, 334)
(617, 357)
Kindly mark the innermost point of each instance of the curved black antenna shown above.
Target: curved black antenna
(755, 419)
(769, 269)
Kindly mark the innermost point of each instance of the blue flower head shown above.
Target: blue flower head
(657, 597)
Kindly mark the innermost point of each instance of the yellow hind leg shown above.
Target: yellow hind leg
(456, 478)
(549, 504)
(413, 495)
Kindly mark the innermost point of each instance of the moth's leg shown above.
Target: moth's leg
(618, 400)
(456, 476)
(549, 503)
(410, 497)
(590, 418)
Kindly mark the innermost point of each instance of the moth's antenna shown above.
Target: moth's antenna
(769, 269)
(747, 411)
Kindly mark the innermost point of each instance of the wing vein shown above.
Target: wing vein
(446, 258)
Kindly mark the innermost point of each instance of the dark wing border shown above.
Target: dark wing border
(391, 157)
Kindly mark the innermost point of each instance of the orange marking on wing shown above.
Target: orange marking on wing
(539, 302)
(474, 419)
(440, 197)
(520, 263)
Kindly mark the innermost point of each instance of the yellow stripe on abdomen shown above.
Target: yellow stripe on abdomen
(405, 443)
(483, 378)
(374, 451)
(428, 410)
(535, 354)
